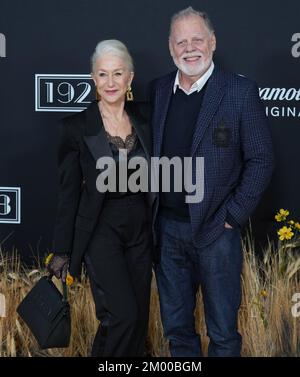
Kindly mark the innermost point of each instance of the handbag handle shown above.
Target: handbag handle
(64, 285)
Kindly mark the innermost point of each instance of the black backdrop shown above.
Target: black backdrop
(45, 47)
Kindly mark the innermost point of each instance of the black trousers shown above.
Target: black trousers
(119, 265)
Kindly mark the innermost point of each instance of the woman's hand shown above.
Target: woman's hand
(58, 266)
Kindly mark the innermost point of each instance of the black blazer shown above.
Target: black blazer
(83, 142)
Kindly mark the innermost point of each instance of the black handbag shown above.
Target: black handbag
(47, 314)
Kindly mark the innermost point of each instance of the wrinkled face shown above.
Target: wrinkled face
(112, 78)
(192, 45)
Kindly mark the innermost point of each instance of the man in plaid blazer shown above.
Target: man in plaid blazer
(203, 111)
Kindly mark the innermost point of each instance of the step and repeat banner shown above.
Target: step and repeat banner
(45, 49)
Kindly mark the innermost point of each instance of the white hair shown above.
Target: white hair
(187, 12)
(113, 47)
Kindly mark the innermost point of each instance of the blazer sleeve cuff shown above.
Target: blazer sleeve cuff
(231, 221)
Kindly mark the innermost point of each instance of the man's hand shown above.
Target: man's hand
(227, 226)
(58, 266)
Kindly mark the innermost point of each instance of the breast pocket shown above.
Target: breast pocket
(222, 137)
(223, 130)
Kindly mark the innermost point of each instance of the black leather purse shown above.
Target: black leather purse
(47, 314)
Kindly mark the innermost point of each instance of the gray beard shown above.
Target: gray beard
(203, 67)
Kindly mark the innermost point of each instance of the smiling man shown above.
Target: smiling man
(202, 110)
(192, 43)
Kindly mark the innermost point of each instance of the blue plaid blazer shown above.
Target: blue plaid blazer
(232, 135)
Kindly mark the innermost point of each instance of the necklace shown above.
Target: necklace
(114, 126)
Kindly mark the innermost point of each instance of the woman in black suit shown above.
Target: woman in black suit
(109, 231)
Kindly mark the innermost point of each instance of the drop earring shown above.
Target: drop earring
(129, 94)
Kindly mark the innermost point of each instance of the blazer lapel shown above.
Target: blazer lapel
(162, 102)
(139, 125)
(95, 137)
(211, 101)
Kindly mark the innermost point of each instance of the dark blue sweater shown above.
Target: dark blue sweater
(177, 141)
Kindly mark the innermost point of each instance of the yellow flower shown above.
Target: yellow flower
(263, 293)
(291, 222)
(284, 212)
(282, 215)
(69, 280)
(285, 233)
(48, 258)
(297, 226)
